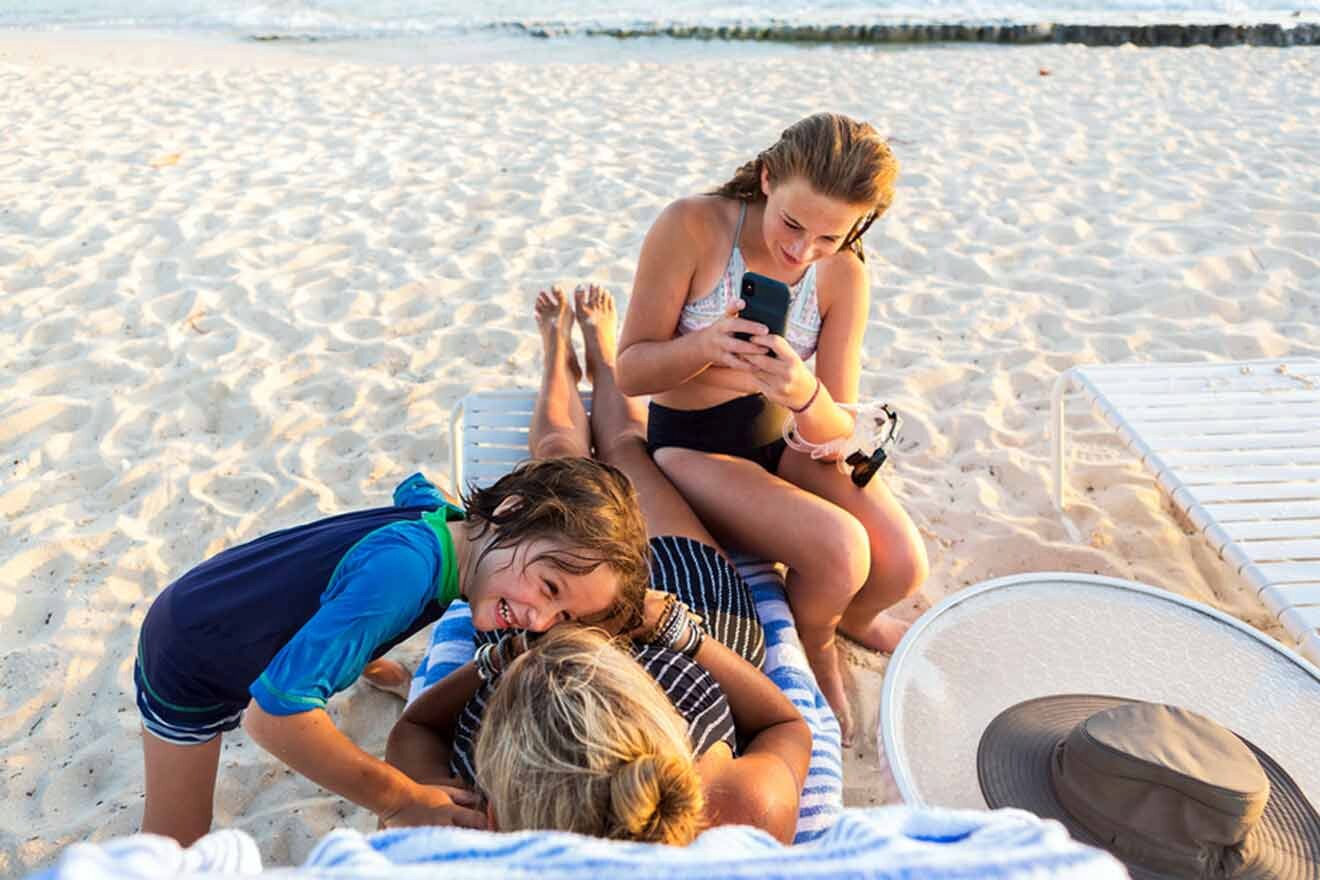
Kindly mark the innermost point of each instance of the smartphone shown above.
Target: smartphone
(765, 301)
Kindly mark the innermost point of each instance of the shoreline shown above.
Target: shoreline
(1167, 34)
(534, 44)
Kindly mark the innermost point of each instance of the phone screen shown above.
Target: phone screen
(765, 301)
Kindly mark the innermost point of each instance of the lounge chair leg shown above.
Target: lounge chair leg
(1056, 434)
(1061, 386)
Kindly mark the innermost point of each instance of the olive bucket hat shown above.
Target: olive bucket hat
(1166, 790)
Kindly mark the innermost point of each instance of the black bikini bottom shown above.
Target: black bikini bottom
(748, 427)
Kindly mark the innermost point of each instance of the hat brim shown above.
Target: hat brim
(1013, 767)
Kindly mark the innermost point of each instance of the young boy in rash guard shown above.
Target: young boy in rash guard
(272, 628)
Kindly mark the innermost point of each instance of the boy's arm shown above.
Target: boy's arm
(378, 588)
(310, 743)
(420, 743)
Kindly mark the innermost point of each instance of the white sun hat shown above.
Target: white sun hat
(992, 647)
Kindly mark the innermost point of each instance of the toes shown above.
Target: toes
(846, 733)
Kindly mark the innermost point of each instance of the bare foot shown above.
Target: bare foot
(388, 676)
(883, 633)
(829, 675)
(594, 307)
(555, 320)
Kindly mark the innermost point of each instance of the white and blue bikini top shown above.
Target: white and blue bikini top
(803, 329)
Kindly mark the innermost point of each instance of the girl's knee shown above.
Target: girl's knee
(839, 552)
(624, 448)
(898, 552)
(912, 567)
(559, 445)
(901, 564)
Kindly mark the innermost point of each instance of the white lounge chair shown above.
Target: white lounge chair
(488, 434)
(1237, 448)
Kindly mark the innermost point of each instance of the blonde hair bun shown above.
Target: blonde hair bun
(655, 799)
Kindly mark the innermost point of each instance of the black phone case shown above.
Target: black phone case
(765, 302)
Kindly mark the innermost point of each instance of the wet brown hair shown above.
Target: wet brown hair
(579, 737)
(839, 157)
(587, 508)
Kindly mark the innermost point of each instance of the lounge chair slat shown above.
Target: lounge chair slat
(1290, 572)
(499, 419)
(1216, 400)
(1264, 382)
(1152, 371)
(1237, 447)
(1157, 410)
(1183, 441)
(1257, 492)
(1249, 474)
(1234, 459)
(498, 437)
(1278, 551)
(504, 402)
(1300, 620)
(1246, 532)
(1287, 595)
(506, 455)
(1157, 429)
(1261, 510)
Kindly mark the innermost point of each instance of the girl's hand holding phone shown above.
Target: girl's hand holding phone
(723, 348)
(785, 379)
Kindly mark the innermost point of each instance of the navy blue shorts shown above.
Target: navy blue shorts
(179, 724)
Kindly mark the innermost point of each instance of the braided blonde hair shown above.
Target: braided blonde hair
(578, 737)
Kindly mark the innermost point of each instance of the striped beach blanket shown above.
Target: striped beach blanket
(885, 843)
(785, 664)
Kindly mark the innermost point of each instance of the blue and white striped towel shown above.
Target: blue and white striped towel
(887, 843)
(785, 664)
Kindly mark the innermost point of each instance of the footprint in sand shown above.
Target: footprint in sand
(31, 679)
(235, 494)
(47, 417)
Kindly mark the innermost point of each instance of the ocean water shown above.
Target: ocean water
(458, 19)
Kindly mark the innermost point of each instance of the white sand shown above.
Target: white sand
(243, 288)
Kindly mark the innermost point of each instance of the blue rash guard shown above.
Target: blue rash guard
(293, 617)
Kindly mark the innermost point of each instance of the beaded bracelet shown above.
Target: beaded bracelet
(667, 626)
(510, 647)
(484, 660)
(680, 630)
(649, 635)
(695, 636)
(676, 625)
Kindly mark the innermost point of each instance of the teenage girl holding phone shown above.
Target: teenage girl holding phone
(796, 213)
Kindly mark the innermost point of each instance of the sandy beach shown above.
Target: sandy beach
(243, 287)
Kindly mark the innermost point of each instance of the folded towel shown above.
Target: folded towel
(884, 842)
(227, 852)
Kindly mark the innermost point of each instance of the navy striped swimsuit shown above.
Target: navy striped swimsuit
(697, 574)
